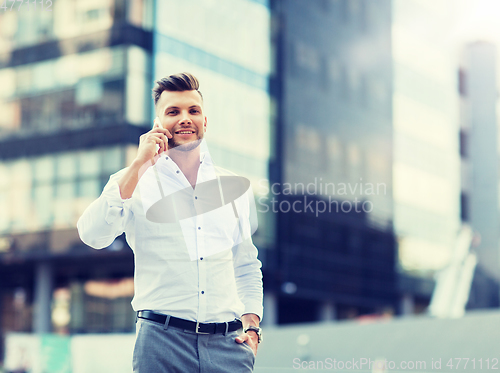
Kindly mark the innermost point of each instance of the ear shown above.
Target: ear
(157, 122)
(205, 125)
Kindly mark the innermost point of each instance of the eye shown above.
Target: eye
(195, 111)
(171, 112)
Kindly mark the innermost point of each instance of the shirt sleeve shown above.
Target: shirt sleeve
(105, 218)
(247, 267)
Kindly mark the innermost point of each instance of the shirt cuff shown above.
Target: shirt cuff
(254, 308)
(115, 202)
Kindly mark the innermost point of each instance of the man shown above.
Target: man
(196, 268)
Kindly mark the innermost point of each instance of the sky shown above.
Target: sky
(478, 20)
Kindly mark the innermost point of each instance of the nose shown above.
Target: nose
(185, 118)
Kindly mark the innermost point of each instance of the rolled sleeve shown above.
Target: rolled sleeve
(105, 218)
(116, 204)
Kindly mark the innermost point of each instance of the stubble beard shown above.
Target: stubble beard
(184, 147)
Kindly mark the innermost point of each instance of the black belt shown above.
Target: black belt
(193, 326)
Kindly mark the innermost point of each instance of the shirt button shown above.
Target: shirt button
(166, 157)
(199, 227)
(195, 197)
(201, 258)
(177, 171)
(202, 292)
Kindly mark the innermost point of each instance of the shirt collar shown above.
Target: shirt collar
(205, 159)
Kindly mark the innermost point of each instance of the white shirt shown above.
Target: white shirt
(200, 265)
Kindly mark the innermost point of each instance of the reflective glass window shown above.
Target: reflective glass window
(44, 169)
(90, 163)
(66, 165)
(112, 160)
(90, 188)
(43, 203)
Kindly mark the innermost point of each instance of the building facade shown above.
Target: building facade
(75, 81)
(331, 173)
(426, 166)
(479, 149)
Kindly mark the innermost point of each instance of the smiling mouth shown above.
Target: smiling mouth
(184, 132)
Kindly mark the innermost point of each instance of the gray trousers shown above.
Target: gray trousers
(171, 350)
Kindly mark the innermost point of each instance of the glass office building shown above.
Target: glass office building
(332, 175)
(74, 96)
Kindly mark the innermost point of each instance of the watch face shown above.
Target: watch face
(257, 331)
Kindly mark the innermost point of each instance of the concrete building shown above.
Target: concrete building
(426, 168)
(479, 149)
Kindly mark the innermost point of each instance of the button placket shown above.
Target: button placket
(200, 246)
(199, 221)
(202, 273)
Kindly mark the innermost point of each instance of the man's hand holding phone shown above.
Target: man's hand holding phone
(153, 143)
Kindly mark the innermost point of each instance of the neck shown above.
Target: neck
(188, 161)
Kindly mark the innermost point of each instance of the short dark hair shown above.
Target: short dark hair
(175, 83)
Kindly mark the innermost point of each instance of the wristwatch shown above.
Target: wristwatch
(257, 331)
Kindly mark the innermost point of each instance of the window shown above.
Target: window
(64, 206)
(89, 91)
(65, 190)
(24, 79)
(90, 188)
(463, 143)
(8, 79)
(4, 177)
(105, 305)
(112, 160)
(66, 164)
(464, 207)
(4, 197)
(11, 116)
(43, 196)
(307, 56)
(43, 75)
(44, 169)
(90, 163)
(462, 88)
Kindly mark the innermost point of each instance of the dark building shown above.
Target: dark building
(332, 89)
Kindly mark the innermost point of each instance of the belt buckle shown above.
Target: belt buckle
(197, 331)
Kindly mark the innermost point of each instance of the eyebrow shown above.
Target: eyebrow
(176, 107)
